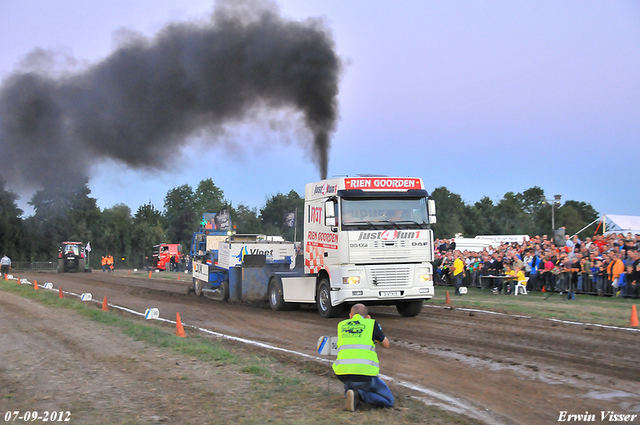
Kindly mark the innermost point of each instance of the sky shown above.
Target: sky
(482, 98)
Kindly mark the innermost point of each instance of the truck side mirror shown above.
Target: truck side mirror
(330, 218)
(431, 209)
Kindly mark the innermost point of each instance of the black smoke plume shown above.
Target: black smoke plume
(150, 95)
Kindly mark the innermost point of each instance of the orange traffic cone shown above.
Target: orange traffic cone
(35, 285)
(178, 276)
(129, 272)
(448, 300)
(60, 293)
(544, 289)
(105, 307)
(634, 316)
(149, 274)
(179, 328)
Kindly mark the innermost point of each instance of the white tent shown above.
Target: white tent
(473, 245)
(621, 224)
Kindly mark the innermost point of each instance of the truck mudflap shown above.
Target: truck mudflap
(298, 289)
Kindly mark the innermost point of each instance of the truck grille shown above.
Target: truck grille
(386, 244)
(389, 276)
(390, 254)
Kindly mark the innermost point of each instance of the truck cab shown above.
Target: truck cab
(162, 253)
(367, 239)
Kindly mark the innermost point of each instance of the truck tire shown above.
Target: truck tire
(197, 287)
(81, 264)
(224, 290)
(276, 300)
(61, 266)
(323, 301)
(409, 308)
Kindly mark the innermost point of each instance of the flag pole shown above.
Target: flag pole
(295, 225)
(88, 262)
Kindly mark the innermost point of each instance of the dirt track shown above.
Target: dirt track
(497, 368)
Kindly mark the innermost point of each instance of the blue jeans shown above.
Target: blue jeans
(457, 280)
(375, 392)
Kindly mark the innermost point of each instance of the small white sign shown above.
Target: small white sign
(9, 276)
(328, 345)
(48, 285)
(86, 297)
(201, 271)
(151, 313)
(24, 281)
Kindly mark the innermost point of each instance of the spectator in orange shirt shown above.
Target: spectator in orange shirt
(614, 270)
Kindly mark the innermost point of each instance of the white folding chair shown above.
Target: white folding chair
(521, 287)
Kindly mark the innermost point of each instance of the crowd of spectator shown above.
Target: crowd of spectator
(599, 265)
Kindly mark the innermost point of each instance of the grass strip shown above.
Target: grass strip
(585, 308)
(201, 348)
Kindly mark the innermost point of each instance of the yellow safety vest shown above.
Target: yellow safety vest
(356, 349)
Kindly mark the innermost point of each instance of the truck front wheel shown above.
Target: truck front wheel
(323, 300)
(409, 308)
(224, 290)
(197, 286)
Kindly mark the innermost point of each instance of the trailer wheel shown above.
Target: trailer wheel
(323, 300)
(276, 299)
(197, 287)
(224, 290)
(409, 308)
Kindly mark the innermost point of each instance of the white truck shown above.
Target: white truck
(366, 239)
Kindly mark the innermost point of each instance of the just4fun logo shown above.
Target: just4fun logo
(389, 235)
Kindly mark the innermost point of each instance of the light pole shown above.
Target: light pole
(553, 202)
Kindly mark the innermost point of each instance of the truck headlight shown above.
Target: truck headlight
(425, 277)
(351, 280)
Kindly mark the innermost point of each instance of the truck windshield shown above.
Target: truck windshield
(384, 213)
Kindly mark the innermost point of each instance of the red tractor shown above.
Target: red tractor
(162, 254)
(71, 257)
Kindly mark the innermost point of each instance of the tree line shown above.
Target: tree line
(526, 213)
(71, 214)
